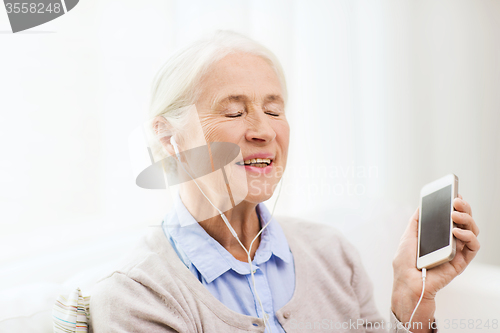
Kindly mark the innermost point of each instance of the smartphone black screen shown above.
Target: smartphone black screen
(435, 221)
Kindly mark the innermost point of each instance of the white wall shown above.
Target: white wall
(400, 92)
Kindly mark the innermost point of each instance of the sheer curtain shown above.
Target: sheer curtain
(385, 96)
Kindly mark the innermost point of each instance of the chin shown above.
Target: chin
(259, 191)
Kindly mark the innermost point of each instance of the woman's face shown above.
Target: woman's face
(242, 103)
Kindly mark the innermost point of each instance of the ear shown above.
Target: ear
(163, 131)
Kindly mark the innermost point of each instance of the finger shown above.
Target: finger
(415, 215)
(413, 225)
(465, 221)
(470, 240)
(460, 196)
(462, 206)
(411, 228)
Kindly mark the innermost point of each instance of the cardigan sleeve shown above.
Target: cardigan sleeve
(119, 304)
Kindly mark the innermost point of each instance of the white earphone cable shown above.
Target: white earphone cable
(265, 316)
(424, 274)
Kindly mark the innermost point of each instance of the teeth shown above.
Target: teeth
(258, 161)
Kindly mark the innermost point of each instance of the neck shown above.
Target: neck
(244, 220)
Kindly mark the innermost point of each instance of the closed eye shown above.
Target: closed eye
(234, 115)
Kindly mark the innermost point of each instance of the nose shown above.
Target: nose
(259, 127)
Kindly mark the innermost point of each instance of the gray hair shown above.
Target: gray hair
(176, 85)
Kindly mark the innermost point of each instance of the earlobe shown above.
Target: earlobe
(163, 132)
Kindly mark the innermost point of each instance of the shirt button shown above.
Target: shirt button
(286, 315)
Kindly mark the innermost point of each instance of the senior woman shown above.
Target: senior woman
(193, 275)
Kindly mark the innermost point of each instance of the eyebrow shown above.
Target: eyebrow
(240, 98)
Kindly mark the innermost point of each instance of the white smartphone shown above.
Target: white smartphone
(436, 243)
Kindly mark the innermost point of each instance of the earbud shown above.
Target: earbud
(176, 148)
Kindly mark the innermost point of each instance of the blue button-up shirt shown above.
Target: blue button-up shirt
(229, 279)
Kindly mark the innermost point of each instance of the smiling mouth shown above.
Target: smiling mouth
(256, 162)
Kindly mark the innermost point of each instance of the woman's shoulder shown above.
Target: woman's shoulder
(119, 303)
(141, 284)
(146, 262)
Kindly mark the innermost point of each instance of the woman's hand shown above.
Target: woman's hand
(407, 285)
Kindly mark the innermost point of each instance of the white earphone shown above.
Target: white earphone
(176, 148)
(233, 232)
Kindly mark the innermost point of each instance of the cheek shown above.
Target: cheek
(217, 130)
(283, 137)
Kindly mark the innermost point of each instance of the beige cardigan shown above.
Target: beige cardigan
(155, 292)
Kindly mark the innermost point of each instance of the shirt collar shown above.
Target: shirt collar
(209, 257)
